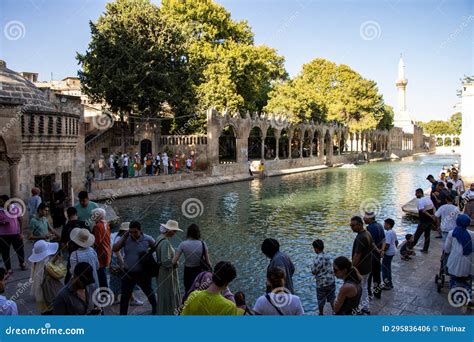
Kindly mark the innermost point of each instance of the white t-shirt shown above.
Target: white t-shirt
(425, 203)
(289, 305)
(458, 185)
(448, 214)
(165, 160)
(189, 162)
(390, 239)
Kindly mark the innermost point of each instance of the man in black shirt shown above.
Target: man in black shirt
(362, 257)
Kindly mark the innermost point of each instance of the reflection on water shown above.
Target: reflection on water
(295, 209)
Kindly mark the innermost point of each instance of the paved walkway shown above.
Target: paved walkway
(414, 293)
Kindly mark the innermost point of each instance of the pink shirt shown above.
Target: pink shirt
(8, 225)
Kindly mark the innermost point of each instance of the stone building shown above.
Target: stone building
(41, 140)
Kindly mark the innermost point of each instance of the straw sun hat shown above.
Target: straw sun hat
(82, 237)
(125, 226)
(171, 225)
(43, 249)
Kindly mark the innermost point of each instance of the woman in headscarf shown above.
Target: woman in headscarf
(169, 296)
(33, 202)
(101, 231)
(459, 246)
(57, 206)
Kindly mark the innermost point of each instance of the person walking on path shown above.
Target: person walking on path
(459, 246)
(134, 244)
(350, 293)
(169, 296)
(58, 197)
(323, 272)
(84, 209)
(41, 255)
(83, 251)
(101, 165)
(196, 256)
(391, 244)
(271, 249)
(210, 301)
(102, 246)
(10, 235)
(426, 219)
(39, 226)
(165, 161)
(446, 216)
(378, 236)
(33, 202)
(76, 297)
(362, 257)
(125, 165)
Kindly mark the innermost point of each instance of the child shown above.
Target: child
(323, 272)
(189, 163)
(406, 248)
(391, 244)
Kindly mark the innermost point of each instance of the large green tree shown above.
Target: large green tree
(451, 126)
(325, 91)
(136, 60)
(229, 71)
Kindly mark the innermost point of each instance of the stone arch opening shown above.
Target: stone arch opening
(295, 143)
(448, 141)
(327, 143)
(456, 141)
(439, 141)
(270, 144)
(255, 144)
(145, 147)
(316, 143)
(227, 145)
(283, 145)
(307, 144)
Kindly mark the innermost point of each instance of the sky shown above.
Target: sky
(436, 38)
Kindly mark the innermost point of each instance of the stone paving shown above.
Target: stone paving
(415, 291)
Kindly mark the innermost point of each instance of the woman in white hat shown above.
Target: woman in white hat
(84, 253)
(42, 252)
(169, 296)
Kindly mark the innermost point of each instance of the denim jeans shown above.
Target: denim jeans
(387, 269)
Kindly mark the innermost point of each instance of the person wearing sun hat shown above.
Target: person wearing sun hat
(102, 245)
(42, 252)
(169, 296)
(84, 241)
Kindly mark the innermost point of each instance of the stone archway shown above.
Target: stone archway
(145, 147)
(316, 138)
(295, 143)
(283, 143)
(255, 144)
(307, 144)
(270, 144)
(227, 145)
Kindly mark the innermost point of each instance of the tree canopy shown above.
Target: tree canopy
(451, 126)
(325, 91)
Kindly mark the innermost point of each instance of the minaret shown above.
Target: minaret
(401, 86)
(402, 117)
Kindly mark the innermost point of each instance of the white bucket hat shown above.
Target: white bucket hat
(171, 225)
(125, 226)
(43, 249)
(82, 237)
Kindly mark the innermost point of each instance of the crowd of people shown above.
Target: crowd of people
(68, 268)
(124, 165)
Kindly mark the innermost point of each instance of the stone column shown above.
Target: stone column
(290, 138)
(263, 147)
(277, 148)
(321, 146)
(14, 173)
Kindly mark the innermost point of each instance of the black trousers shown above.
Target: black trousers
(425, 230)
(129, 280)
(190, 274)
(375, 276)
(11, 240)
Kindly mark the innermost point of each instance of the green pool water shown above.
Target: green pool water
(295, 209)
